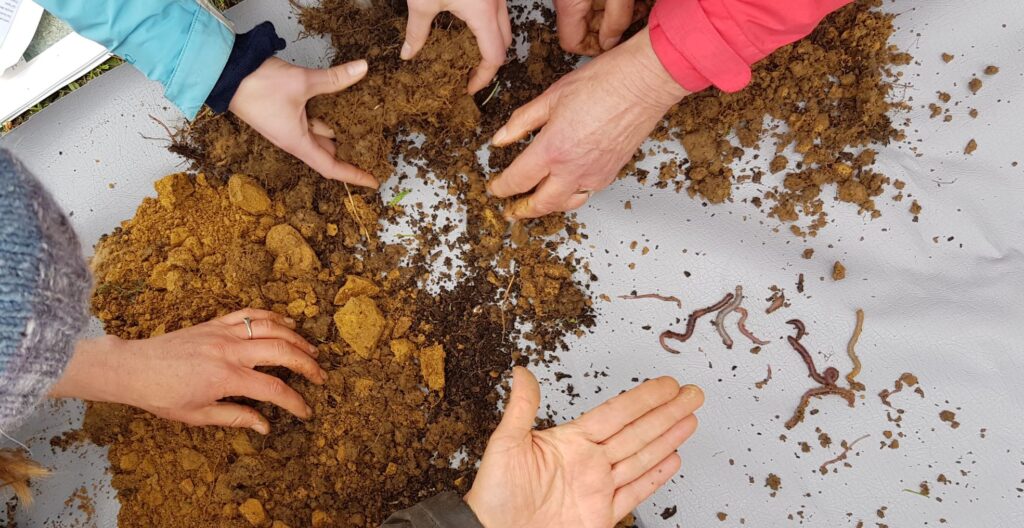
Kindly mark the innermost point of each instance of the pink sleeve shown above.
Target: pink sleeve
(705, 42)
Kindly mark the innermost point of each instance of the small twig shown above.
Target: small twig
(355, 213)
(847, 447)
(742, 324)
(670, 298)
(493, 92)
(691, 323)
(170, 135)
(851, 377)
(726, 310)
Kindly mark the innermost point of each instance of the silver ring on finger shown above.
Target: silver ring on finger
(248, 326)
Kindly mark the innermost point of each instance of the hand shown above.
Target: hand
(272, 100)
(588, 27)
(183, 375)
(487, 19)
(594, 119)
(590, 472)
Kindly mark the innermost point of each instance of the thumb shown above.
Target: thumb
(231, 415)
(335, 78)
(417, 30)
(522, 407)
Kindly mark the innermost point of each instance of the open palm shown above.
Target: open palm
(590, 472)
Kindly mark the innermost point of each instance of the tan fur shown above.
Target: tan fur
(16, 470)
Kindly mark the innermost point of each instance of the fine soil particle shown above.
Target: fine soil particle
(972, 145)
(950, 418)
(722, 516)
(838, 271)
(947, 57)
(991, 70)
(974, 85)
(773, 482)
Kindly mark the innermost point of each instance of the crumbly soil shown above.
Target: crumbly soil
(417, 334)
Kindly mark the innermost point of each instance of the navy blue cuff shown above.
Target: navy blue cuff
(251, 49)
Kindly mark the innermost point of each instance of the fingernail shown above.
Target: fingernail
(357, 68)
(289, 321)
(690, 391)
(609, 43)
(313, 350)
(261, 428)
(323, 375)
(309, 411)
(406, 51)
(499, 136)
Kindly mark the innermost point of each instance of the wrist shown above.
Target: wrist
(472, 500)
(92, 372)
(658, 84)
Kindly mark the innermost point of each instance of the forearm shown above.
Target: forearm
(94, 371)
(714, 42)
(182, 44)
(44, 289)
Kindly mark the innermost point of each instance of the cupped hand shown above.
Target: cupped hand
(590, 472)
(183, 375)
(593, 120)
(588, 27)
(272, 100)
(487, 19)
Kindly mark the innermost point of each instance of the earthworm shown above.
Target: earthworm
(817, 392)
(743, 327)
(777, 301)
(811, 369)
(691, 323)
(851, 377)
(847, 447)
(668, 334)
(801, 330)
(726, 310)
(670, 298)
(762, 383)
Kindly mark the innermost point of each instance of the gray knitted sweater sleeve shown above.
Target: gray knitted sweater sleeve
(44, 289)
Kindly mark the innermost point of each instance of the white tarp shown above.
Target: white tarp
(942, 298)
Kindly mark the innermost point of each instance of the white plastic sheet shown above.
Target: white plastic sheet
(942, 298)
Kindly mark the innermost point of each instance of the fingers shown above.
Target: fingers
(417, 30)
(254, 314)
(491, 40)
(628, 470)
(323, 161)
(280, 353)
(524, 120)
(334, 79)
(271, 389)
(628, 497)
(268, 329)
(523, 403)
(618, 15)
(319, 128)
(505, 23)
(553, 194)
(571, 19)
(654, 424)
(611, 416)
(231, 415)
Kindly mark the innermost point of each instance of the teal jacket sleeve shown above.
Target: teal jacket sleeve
(182, 44)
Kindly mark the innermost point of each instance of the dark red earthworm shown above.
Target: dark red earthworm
(691, 323)
(811, 369)
(831, 374)
(801, 330)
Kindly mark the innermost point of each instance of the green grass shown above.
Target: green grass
(81, 81)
